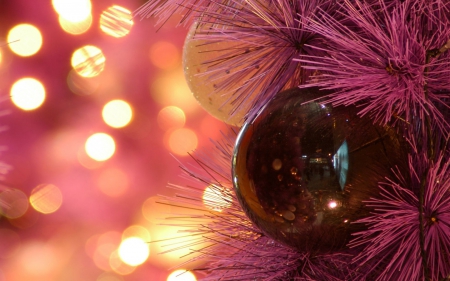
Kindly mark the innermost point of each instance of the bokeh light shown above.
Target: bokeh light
(181, 275)
(113, 182)
(171, 117)
(136, 231)
(38, 258)
(88, 61)
(24, 39)
(134, 251)
(100, 248)
(118, 266)
(13, 203)
(46, 198)
(182, 141)
(27, 93)
(117, 113)
(100, 146)
(216, 198)
(75, 28)
(73, 10)
(116, 21)
(164, 55)
(170, 88)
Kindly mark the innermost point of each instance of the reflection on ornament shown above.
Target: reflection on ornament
(197, 55)
(301, 171)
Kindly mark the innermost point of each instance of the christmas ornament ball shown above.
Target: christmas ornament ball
(210, 87)
(302, 170)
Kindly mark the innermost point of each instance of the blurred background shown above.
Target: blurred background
(95, 109)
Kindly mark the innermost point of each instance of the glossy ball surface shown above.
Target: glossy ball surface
(301, 171)
(205, 85)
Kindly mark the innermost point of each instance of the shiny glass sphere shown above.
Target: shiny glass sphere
(302, 170)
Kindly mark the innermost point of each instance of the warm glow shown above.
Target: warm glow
(73, 10)
(134, 251)
(216, 198)
(75, 28)
(164, 55)
(181, 275)
(88, 61)
(38, 258)
(136, 231)
(24, 40)
(332, 204)
(171, 117)
(13, 203)
(182, 141)
(100, 146)
(27, 93)
(100, 248)
(118, 266)
(113, 182)
(117, 113)
(46, 198)
(116, 21)
(170, 88)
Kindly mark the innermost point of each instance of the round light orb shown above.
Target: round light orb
(116, 21)
(100, 146)
(88, 61)
(171, 117)
(134, 251)
(117, 113)
(73, 10)
(24, 40)
(302, 171)
(27, 93)
(196, 55)
(46, 198)
(75, 28)
(182, 141)
(13, 203)
(181, 275)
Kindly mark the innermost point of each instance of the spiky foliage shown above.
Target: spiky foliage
(265, 37)
(231, 247)
(379, 59)
(392, 239)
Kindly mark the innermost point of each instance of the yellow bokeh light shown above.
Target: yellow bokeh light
(100, 146)
(216, 198)
(134, 251)
(116, 21)
(24, 40)
(75, 28)
(170, 88)
(182, 141)
(181, 275)
(117, 113)
(113, 182)
(164, 55)
(88, 61)
(27, 93)
(136, 231)
(73, 10)
(46, 198)
(171, 117)
(118, 266)
(13, 203)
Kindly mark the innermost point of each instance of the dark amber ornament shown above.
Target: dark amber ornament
(302, 170)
